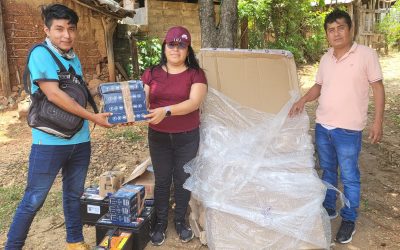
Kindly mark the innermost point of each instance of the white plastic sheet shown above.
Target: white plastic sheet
(255, 175)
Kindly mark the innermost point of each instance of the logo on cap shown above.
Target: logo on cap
(178, 34)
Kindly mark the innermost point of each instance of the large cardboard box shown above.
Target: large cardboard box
(227, 228)
(264, 80)
(260, 79)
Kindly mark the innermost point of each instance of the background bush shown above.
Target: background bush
(149, 51)
(296, 26)
(390, 26)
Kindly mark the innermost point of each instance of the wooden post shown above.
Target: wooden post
(4, 71)
(109, 26)
(135, 57)
(356, 6)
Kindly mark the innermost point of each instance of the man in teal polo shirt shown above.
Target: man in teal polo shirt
(50, 154)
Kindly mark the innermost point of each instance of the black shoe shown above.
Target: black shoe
(158, 234)
(346, 231)
(185, 232)
(332, 213)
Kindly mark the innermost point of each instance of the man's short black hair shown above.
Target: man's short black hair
(335, 15)
(58, 11)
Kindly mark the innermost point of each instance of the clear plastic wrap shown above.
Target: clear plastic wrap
(255, 176)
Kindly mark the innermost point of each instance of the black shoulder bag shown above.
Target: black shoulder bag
(48, 117)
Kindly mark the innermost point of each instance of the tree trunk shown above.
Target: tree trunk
(135, 57)
(207, 24)
(222, 35)
(356, 19)
(4, 71)
(229, 24)
(275, 18)
(244, 33)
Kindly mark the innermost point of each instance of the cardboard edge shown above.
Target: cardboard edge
(138, 171)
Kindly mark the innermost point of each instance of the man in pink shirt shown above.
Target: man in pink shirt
(345, 74)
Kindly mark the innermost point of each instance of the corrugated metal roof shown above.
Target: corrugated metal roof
(330, 2)
(337, 1)
(107, 7)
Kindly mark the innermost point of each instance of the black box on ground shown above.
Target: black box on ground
(116, 239)
(93, 208)
(140, 230)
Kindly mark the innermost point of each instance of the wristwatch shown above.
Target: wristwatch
(167, 111)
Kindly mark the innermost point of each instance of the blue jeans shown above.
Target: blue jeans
(169, 153)
(340, 147)
(45, 161)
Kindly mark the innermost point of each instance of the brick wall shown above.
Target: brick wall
(162, 15)
(24, 27)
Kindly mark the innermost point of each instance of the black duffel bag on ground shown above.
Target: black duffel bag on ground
(48, 117)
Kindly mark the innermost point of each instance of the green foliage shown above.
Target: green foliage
(390, 25)
(365, 205)
(256, 13)
(149, 51)
(285, 24)
(393, 114)
(10, 198)
(396, 119)
(128, 134)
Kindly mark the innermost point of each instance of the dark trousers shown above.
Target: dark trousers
(169, 152)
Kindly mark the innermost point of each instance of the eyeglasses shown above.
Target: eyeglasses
(179, 45)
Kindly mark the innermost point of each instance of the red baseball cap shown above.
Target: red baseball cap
(178, 34)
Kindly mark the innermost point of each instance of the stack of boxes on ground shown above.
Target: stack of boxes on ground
(254, 179)
(122, 211)
(125, 100)
(127, 214)
(95, 200)
(126, 205)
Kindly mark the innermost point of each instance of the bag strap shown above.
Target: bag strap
(91, 100)
(59, 63)
(27, 84)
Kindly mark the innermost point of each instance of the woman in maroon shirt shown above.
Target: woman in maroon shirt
(174, 89)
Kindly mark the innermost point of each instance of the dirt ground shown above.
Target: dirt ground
(378, 226)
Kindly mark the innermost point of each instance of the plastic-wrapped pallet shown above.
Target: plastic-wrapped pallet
(255, 176)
